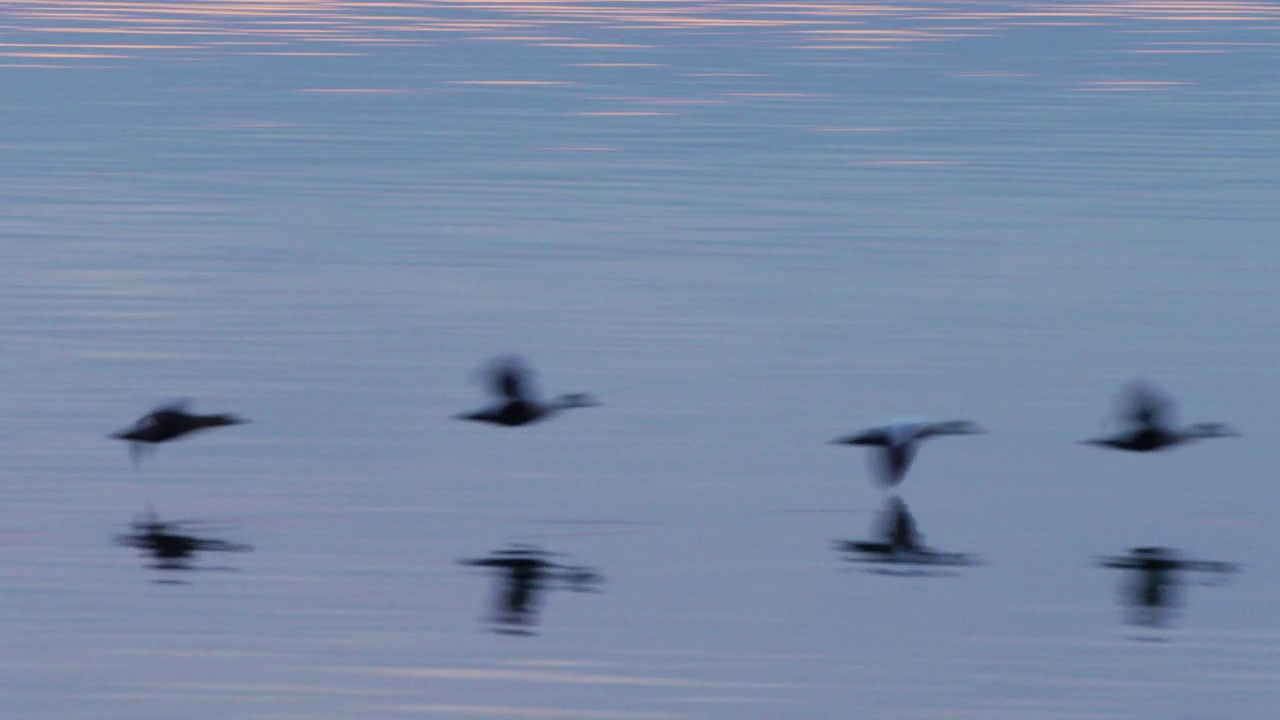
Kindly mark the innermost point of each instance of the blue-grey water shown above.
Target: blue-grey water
(748, 228)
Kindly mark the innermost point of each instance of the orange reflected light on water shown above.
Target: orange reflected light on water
(100, 46)
(50, 55)
(301, 53)
(603, 46)
(816, 25)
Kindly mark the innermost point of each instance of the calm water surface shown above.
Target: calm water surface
(748, 228)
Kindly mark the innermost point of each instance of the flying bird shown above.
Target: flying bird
(1147, 420)
(896, 443)
(169, 422)
(511, 381)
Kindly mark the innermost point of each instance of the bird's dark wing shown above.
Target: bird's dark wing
(1142, 404)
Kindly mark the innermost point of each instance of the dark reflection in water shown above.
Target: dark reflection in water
(897, 542)
(168, 547)
(524, 574)
(1151, 590)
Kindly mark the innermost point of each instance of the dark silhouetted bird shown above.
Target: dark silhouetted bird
(896, 443)
(511, 381)
(171, 549)
(1148, 421)
(1151, 593)
(526, 573)
(169, 422)
(898, 542)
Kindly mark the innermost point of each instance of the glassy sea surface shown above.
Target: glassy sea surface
(748, 228)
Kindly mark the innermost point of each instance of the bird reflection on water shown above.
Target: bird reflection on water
(511, 381)
(1151, 590)
(169, 422)
(1148, 421)
(525, 574)
(169, 548)
(898, 543)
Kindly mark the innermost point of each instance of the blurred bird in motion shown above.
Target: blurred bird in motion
(1148, 421)
(171, 550)
(169, 422)
(511, 381)
(1151, 592)
(525, 573)
(898, 542)
(896, 442)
